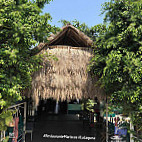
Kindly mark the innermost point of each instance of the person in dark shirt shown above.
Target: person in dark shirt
(97, 109)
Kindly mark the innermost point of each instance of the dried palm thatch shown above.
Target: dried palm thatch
(70, 35)
(66, 78)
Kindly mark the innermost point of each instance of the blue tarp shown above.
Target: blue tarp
(120, 132)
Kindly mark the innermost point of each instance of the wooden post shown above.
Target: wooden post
(106, 119)
(57, 107)
(24, 128)
(131, 128)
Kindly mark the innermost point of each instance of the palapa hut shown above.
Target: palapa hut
(67, 77)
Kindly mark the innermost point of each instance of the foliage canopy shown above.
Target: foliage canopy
(117, 57)
(22, 26)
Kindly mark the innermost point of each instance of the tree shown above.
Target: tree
(22, 26)
(117, 57)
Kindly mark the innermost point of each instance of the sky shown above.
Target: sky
(85, 11)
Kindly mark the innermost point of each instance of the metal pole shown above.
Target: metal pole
(106, 119)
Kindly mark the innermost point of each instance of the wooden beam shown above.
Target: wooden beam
(76, 43)
(56, 39)
(79, 38)
(71, 47)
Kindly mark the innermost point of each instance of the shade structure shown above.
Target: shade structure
(66, 78)
(69, 35)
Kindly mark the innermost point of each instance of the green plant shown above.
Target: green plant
(22, 26)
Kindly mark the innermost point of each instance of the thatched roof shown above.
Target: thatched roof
(71, 36)
(66, 78)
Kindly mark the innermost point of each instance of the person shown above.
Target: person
(97, 109)
(116, 119)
